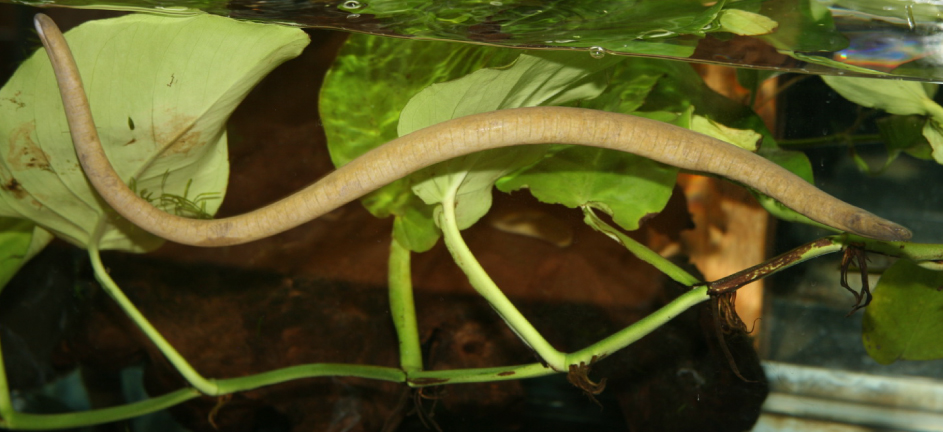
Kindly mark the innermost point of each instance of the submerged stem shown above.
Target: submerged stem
(25, 421)
(640, 329)
(463, 376)
(193, 377)
(403, 308)
(641, 251)
(482, 283)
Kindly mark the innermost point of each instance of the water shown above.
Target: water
(895, 37)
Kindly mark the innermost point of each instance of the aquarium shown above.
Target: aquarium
(424, 215)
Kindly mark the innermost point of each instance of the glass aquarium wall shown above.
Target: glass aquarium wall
(650, 215)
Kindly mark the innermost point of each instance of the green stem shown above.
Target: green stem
(842, 137)
(460, 376)
(22, 421)
(639, 250)
(7, 413)
(482, 283)
(314, 370)
(403, 309)
(926, 252)
(205, 386)
(640, 329)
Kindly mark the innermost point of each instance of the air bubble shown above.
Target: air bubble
(353, 16)
(597, 52)
(352, 5)
(911, 22)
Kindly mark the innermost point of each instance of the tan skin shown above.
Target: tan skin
(398, 158)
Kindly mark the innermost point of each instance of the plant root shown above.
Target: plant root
(579, 377)
(856, 254)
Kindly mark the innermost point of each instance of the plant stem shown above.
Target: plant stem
(921, 253)
(205, 386)
(640, 329)
(486, 287)
(313, 370)
(23, 421)
(798, 255)
(841, 137)
(7, 413)
(924, 254)
(429, 378)
(639, 250)
(403, 309)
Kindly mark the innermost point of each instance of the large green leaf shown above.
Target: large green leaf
(681, 88)
(161, 90)
(905, 319)
(803, 26)
(623, 185)
(20, 240)
(545, 79)
(357, 121)
(896, 97)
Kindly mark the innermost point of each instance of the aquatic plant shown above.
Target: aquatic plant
(456, 143)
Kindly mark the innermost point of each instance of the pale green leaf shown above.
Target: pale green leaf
(745, 23)
(904, 134)
(161, 90)
(15, 235)
(623, 185)
(894, 96)
(547, 79)
(933, 132)
(357, 121)
(743, 138)
(415, 229)
(905, 319)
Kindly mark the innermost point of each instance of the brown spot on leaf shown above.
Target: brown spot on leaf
(16, 101)
(177, 136)
(15, 188)
(23, 152)
(507, 373)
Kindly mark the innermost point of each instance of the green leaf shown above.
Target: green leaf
(703, 20)
(746, 23)
(744, 138)
(161, 90)
(544, 79)
(20, 240)
(625, 186)
(681, 89)
(415, 229)
(894, 96)
(360, 120)
(804, 26)
(904, 134)
(905, 319)
(933, 132)
(358, 109)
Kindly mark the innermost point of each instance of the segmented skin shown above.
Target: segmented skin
(398, 158)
